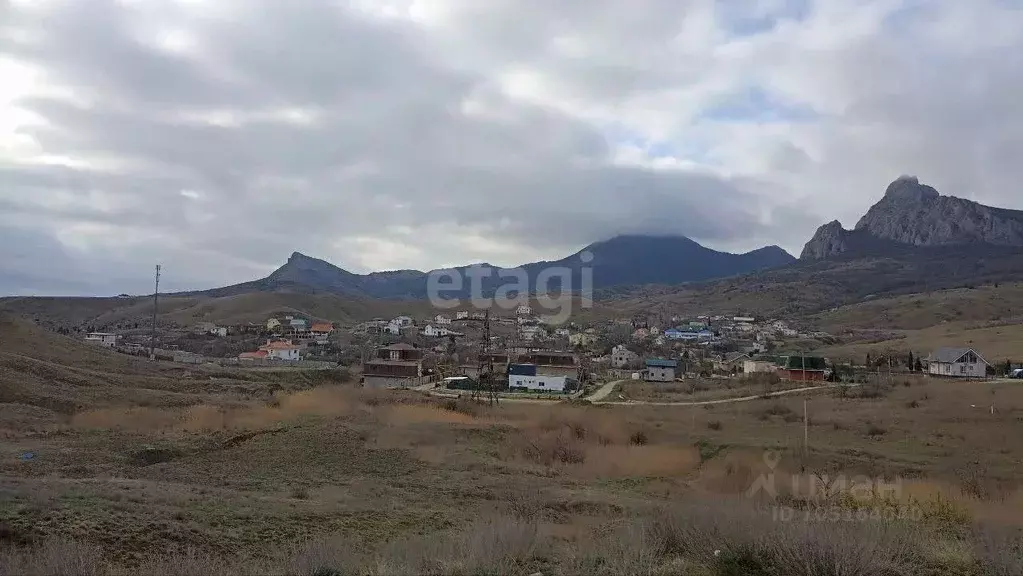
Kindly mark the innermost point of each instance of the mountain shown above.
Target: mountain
(914, 214)
(620, 261)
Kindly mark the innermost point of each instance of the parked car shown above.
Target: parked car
(1017, 373)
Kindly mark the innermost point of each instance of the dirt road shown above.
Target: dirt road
(723, 400)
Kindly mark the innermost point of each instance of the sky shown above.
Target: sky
(216, 137)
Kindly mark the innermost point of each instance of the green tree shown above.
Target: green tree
(1008, 367)
(919, 367)
(909, 361)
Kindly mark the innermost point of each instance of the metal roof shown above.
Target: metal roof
(951, 355)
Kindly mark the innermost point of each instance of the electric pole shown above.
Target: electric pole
(156, 301)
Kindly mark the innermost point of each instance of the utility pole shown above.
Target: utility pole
(156, 301)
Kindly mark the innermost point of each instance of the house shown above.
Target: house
(281, 350)
(102, 339)
(205, 328)
(531, 333)
(744, 319)
(803, 368)
(622, 356)
(957, 363)
(298, 325)
(758, 366)
(523, 310)
(538, 383)
(402, 321)
(397, 365)
(273, 324)
(582, 339)
(462, 315)
(432, 331)
(551, 363)
(441, 320)
(733, 361)
(220, 331)
(660, 370)
(562, 332)
(252, 356)
(321, 328)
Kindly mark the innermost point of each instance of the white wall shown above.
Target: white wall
(656, 374)
(538, 383)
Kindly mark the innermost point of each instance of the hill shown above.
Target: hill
(620, 261)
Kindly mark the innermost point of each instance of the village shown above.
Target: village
(521, 352)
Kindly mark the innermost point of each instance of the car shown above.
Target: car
(1017, 373)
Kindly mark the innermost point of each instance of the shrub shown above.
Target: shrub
(639, 438)
(714, 424)
(300, 492)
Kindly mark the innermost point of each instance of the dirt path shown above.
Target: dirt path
(723, 400)
(603, 391)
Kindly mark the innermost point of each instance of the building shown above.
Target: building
(523, 310)
(441, 320)
(734, 361)
(532, 333)
(462, 315)
(273, 324)
(803, 368)
(253, 356)
(582, 339)
(397, 365)
(660, 370)
(538, 383)
(957, 363)
(102, 339)
(758, 366)
(622, 356)
(432, 331)
(551, 363)
(298, 325)
(281, 350)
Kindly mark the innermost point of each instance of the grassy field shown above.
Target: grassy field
(127, 473)
(698, 389)
(995, 343)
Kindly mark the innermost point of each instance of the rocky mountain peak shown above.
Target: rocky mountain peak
(830, 239)
(909, 189)
(914, 213)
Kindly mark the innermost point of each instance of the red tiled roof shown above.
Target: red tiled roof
(257, 354)
(278, 346)
(322, 327)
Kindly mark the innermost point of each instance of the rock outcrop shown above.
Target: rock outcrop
(914, 214)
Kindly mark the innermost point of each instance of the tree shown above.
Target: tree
(909, 361)
(1008, 367)
(868, 359)
(919, 367)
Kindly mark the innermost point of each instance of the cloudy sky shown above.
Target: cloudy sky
(218, 136)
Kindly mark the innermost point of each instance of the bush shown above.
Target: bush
(639, 438)
(874, 430)
(714, 424)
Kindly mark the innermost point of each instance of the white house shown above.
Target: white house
(562, 332)
(537, 383)
(102, 339)
(622, 356)
(435, 331)
(393, 328)
(462, 315)
(402, 321)
(957, 363)
(282, 351)
(273, 324)
(441, 320)
(523, 310)
(530, 333)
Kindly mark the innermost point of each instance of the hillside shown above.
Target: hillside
(620, 261)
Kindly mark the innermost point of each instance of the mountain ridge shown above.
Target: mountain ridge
(915, 214)
(623, 260)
